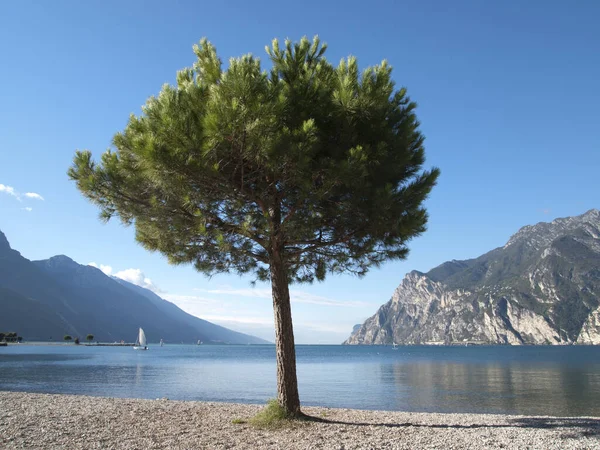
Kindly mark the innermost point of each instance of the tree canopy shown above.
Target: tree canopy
(288, 173)
(334, 153)
(10, 336)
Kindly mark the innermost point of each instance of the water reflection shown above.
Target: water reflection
(493, 388)
(139, 374)
(540, 381)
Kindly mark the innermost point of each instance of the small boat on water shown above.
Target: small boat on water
(140, 343)
(161, 342)
(394, 346)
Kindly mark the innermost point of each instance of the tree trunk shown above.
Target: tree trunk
(287, 383)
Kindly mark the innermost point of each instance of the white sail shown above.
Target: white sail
(142, 338)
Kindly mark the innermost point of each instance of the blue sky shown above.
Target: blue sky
(508, 99)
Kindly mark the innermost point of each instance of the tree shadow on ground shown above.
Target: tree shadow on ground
(579, 427)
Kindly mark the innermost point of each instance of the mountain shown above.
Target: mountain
(542, 287)
(47, 299)
(212, 332)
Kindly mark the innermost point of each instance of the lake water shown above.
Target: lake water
(561, 381)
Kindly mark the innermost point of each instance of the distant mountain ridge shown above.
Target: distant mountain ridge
(542, 287)
(47, 299)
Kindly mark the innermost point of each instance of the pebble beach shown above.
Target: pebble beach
(48, 421)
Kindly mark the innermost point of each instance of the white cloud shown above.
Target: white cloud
(334, 328)
(34, 195)
(305, 297)
(190, 299)
(245, 292)
(239, 319)
(9, 190)
(295, 295)
(238, 316)
(106, 269)
(136, 276)
(12, 191)
(28, 209)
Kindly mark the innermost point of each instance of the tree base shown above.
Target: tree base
(275, 416)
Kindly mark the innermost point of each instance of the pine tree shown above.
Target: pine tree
(289, 174)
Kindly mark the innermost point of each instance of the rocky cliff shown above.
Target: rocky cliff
(542, 287)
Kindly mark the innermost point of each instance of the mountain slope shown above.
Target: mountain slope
(216, 333)
(14, 307)
(46, 299)
(24, 282)
(542, 287)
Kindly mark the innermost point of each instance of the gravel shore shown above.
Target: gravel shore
(44, 421)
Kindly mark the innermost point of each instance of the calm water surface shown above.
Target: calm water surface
(507, 380)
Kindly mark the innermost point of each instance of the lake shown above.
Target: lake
(561, 381)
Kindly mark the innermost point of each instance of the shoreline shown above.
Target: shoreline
(48, 421)
(68, 344)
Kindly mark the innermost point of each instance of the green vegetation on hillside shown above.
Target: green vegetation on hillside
(10, 336)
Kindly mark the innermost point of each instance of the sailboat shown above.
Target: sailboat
(394, 346)
(140, 344)
(161, 342)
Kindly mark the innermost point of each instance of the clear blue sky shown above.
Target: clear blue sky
(508, 96)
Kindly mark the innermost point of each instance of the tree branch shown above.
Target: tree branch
(315, 244)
